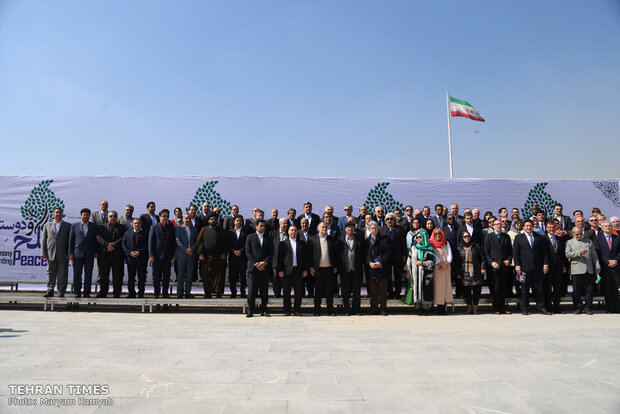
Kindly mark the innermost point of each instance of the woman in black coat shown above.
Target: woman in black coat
(470, 267)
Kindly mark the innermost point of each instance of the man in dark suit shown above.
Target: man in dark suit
(206, 210)
(362, 217)
(473, 228)
(250, 224)
(186, 236)
(607, 247)
(351, 261)
(332, 227)
(323, 265)
(498, 252)
(135, 245)
(292, 219)
(259, 251)
(100, 216)
(558, 267)
(439, 219)
(304, 230)
(313, 219)
(594, 229)
(212, 249)
(82, 252)
(162, 244)
(55, 249)
(565, 221)
(530, 256)
(111, 255)
(237, 261)
(379, 217)
(377, 256)
(458, 219)
(398, 253)
(279, 234)
(292, 269)
(274, 222)
(149, 218)
(229, 221)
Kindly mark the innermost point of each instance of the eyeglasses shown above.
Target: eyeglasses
(389, 218)
(466, 236)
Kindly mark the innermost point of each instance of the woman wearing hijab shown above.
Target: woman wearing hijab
(420, 266)
(471, 268)
(442, 277)
(415, 226)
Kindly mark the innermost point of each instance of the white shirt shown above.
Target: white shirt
(238, 231)
(260, 238)
(309, 217)
(85, 228)
(57, 226)
(294, 247)
(189, 237)
(324, 262)
(470, 229)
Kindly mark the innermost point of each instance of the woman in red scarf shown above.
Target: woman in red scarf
(442, 283)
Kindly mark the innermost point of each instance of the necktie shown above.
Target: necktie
(609, 242)
(531, 240)
(498, 236)
(555, 244)
(104, 216)
(135, 239)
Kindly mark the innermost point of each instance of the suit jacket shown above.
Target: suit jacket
(257, 253)
(591, 234)
(228, 223)
(141, 246)
(342, 222)
(235, 243)
(183, 242)
(380, 251)
(497, 250)
(106, 236)
(275, 239)
(123, 220)
(343, 254)
(55, 246)
(98, 218)
(530, 258)
(80, 246)
(557, 258)
(452, 236)
(303, 237)
(605, 254)
(398, 243)
(565, 222)
(285, 256)
(314, 222)
(476, 237)
(250, 226)
(271, 225)
(147, 222)
(459, 220)
(334, 230)
(314, 245)
(159, 247)
(439, 221)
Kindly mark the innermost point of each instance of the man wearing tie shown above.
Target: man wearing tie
(185, 236)
(532, 263)
(82, 252)
(55, 249)
(498, 253)
(259, 251)
(351, 259)
(439, 218)
(135, 246)
(607, 247)
(162, 245)
(101, 216)
(558, 266)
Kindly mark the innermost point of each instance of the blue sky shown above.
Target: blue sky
(309, 88)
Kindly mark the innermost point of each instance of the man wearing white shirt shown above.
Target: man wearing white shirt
(259, 251)
(292, 269)
(55, 249)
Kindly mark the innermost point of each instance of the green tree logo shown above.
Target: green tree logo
(40, 203)
(208, 193)
(540, 197)
(378, 196)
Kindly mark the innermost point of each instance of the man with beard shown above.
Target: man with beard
(111, 255)
(237, 260)
(162, 244)
(212, 247)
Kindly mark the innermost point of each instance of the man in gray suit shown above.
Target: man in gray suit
(101, 216)
(83, 249)
(186, 236)
(55, 249)
(127, 219)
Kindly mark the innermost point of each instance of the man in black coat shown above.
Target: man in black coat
(313, 219)
(323, 265)
(398, 253)
(377, 256)
(237, 261)
(259, 251)
(135, 246)
(530, 256)
(607, 247)
(111, 255)
(351, 261)
(472, 227)
(558, 267)
(498, 252)
(292, 269)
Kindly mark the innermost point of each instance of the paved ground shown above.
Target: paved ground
(225, 363)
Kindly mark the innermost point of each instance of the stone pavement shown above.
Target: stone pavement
(225, 363)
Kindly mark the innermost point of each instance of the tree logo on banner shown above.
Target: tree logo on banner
(378, 196)
(610, 189)
(541, 198)
(208, 193)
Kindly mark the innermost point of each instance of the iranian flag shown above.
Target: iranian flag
(464, 109)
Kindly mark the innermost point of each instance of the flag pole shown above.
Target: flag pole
(449, 134)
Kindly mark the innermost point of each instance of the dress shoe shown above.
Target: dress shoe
(117, 296)
(560, 311)
(156, 296)
(287, 314)
(249, 315)
(507, 312)
(577, 312)
(101, 295)
(141, 295)
(297, 314)
(545, 312)
(233, 295)
(49, 294)
(190, 296)
(496, 313)
(384, 314)
(86, 295)
(347, 314)
(131, 296)
(316, 314)
(589, 312)
(244, 295)
(179, 296)
(359, 313)
(331, 314)
(166, 296)
(78, 295)
(218, 296)
(525, 312)
(266, 314)
(61, 295)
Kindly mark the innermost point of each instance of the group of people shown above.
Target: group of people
(410, 253)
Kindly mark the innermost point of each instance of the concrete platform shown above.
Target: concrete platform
(226, 363)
